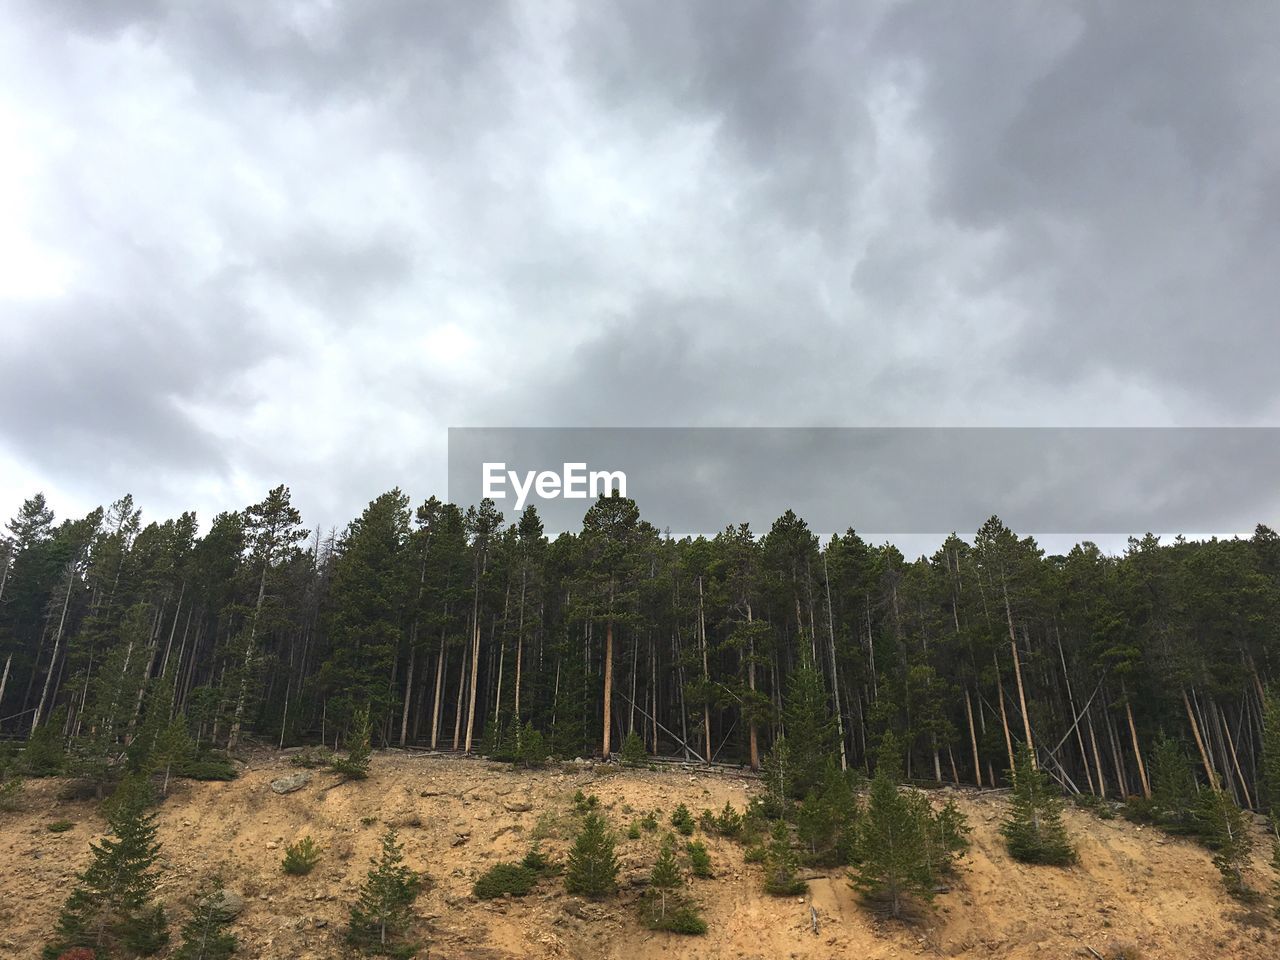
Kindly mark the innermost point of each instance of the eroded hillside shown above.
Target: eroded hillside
(456, 817)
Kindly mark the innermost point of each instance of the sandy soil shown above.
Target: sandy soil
(456, 817)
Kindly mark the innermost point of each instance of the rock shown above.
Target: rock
(517, 806)
(229, 902)
(294, 781)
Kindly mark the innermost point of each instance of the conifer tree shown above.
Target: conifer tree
(355, 765)
(778, 779)
(665, 878)
(1173, 787)
(780, 864)
(894, 846)
(1269, 774)
(665, 905)
(1033, 829)
(810, 729)
(1226, 831)
(382, 915)
(592, 868)
(111, 905)
(205, 935)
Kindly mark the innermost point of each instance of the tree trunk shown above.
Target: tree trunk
(608, 684)
(973, 739)
(408, 696)
(706, 673)
(57, 647)
(1195, 732)
(234, 736)
(835, 672)
(436, 705)
(1137, 751)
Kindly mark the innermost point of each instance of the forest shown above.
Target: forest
(450, 630)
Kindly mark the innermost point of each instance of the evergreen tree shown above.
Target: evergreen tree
(381, 917)
(1226, 831)
(355, 765)
(1269, 774)
(894, 844)
(1173, 787)
(810, 729)
(665, 878)
(205, 935)
(111, 906)
(1033, 828)
(665, 905)
(778, 779)
(593, 868)
(780, 864)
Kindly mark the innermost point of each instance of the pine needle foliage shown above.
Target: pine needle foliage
(1226, 832)
(780, 865)
(355, 765)
(300, 858)
(895, 847)
(665, 907)
(381, 918)
(205, 935)
(111, 906)
(1033, 829)
(592, 867)
(699, 859)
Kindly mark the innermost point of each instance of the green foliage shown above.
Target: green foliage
(776, 771)
(11, 794)
(682, 820)
(728, 822)
(699, 858)
(811, 731)
(110, 906)
(633, 831)
(1269, 772)
(502, 879)
(533, 750)
(895, 846)
(592, 868)
(381, 917)
(355, 765)
(537, 861)
(45, 754)
(1174, 795)
(633, 752)
(300, 858)
(205, 935)
(826, 820)
(59, 826)
(1226, 831)
(755, 854)
(1033, 829)
(207, 765)
(664, 907)
(585, 803)
(649, 821)
(949, 834)
(312, 758)
(780, 865)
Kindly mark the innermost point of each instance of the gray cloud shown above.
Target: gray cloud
(294, 242)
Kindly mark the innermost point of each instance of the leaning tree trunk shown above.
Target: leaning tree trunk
(608, 684)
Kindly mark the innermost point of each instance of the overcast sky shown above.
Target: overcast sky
(245, 243)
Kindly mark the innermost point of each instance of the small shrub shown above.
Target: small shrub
(707, 821)
(585, 802)
(593, 868)
(212, 766)
(649, 821)
(355, 765)
(60, 826)
(780, 865)
(505, 878)
(633, 753)
(301, 858)
(699, 859)
(537, 861)
(756, 854)
(11, 795)
(534, 750)
(368, 821)
(313, 758)
(633, 831)
(682, 820)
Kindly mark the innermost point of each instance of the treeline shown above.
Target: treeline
(457, 631)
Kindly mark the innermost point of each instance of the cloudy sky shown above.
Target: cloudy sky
(247, 243)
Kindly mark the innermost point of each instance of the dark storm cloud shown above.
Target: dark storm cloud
(265, 242)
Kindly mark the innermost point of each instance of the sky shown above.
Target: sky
(244, 244)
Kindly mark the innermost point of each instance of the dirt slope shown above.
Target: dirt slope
(458, 816)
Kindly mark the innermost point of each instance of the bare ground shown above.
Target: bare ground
(456, 817)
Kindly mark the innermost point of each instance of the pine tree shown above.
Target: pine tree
(593, 868)
(894, 844)
(665, 905)
(382, 915)
(1269, 774)
(1033, 829)
(1226, 831)
(780, 865)
(778, 779)
(810, 729)
(355, 765)
(1173, 787)
(204, 935)
(699, 858)
(111, 905)
(633, 753)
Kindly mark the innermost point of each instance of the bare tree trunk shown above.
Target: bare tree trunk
(1137, 750)
(1097, 756)
(475, 674)
(608, 683)
(835, 672)
(462, 694)
(1235, 761)
(436, 706)
(234, 736)
(706, 673)
(1195, 732)
(408, 694)
(973, 738)
(1017, 675)
(1004, 716)
(752, 733)
(57, 647)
